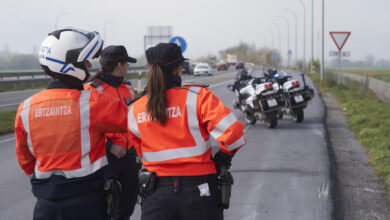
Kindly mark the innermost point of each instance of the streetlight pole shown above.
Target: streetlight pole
(263, 36)
(57, 18)
(273, 37)
(296, 36)
(312, 35)
(104, 29)
(288, 39)
(323, 35)
(280, 44)
(304, 35)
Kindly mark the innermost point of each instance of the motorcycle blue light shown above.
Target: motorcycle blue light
(276, 75)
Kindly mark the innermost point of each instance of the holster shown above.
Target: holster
(225, 182)
(112, 193)
(146, 183)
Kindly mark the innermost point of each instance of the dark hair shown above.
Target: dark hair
(157, 97)
(108, 68)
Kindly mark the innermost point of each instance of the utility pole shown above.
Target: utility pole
(304, 35)
(323, 36)
(312, 35)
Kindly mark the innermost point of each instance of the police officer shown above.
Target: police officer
(60, 131)
(123, 165)
(170, 128)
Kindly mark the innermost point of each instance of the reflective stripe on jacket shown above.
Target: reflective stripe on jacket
(125, 94)
(181, 147)
(61, 132)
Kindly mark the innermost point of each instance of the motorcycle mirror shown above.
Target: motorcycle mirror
(302, 73)
(230, 87)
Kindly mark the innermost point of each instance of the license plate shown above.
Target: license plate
(298, 98)
(272, 102)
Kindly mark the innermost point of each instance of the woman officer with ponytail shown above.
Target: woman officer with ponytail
(170, 128)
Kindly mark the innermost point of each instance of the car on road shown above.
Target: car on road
(222, 66)
(240, 65)
(203, 69)
(187, 68)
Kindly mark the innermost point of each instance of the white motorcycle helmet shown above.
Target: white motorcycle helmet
(63, 54)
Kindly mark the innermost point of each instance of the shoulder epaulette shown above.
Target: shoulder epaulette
(96, 83)
(127, 82)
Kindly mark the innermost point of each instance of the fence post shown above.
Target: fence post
(139, 81)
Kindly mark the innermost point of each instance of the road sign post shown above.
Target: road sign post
(339, 38)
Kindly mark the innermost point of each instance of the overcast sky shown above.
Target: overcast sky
(208, 26)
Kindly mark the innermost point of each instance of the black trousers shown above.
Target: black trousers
(125, 170)
(75, 208)
(182, 201)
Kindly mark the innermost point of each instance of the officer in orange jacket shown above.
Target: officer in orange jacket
(122, 167)
(60, 131)
(170, 128)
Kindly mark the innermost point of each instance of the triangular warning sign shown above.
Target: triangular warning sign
(340, 38)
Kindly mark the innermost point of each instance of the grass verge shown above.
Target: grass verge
(7, 121)
(368, 118)
(383, 77)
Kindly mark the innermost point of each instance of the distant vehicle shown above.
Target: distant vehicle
(222, 66)
(231, 59)
(240, 65)
(187, 68)
(203, 69)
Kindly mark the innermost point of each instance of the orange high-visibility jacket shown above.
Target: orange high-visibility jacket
(125, 94)
(181, 147)
(61, 131)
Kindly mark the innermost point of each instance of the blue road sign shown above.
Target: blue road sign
(275, 57)
(289, 52)
(179, 41)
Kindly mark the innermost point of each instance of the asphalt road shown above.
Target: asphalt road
(281, 173)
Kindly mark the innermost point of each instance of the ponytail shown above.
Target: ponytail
(97, 75)
(156, 91)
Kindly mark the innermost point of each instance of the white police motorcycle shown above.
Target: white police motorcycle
(292, 98)
(256, 101)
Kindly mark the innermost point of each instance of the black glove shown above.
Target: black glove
(222, 159)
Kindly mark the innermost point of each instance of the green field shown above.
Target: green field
(7, 120)
(368, 118)
(383, 77)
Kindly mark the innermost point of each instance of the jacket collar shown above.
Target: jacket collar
(111, 80)
(57, 84)
(172, 81)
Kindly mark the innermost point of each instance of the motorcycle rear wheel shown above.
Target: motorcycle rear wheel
(280, 115)
(271, 121)
(298, 115)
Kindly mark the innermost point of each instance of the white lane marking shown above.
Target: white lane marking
(250, 206)
(221, 83)
(11, 104)
(7, 140)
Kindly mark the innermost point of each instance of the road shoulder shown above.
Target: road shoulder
(363, 194)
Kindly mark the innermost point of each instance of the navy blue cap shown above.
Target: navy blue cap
(115, 54)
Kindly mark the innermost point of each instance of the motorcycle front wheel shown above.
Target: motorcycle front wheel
(271, 120)
(249, 119)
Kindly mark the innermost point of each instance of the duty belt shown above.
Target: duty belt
(169, 180)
